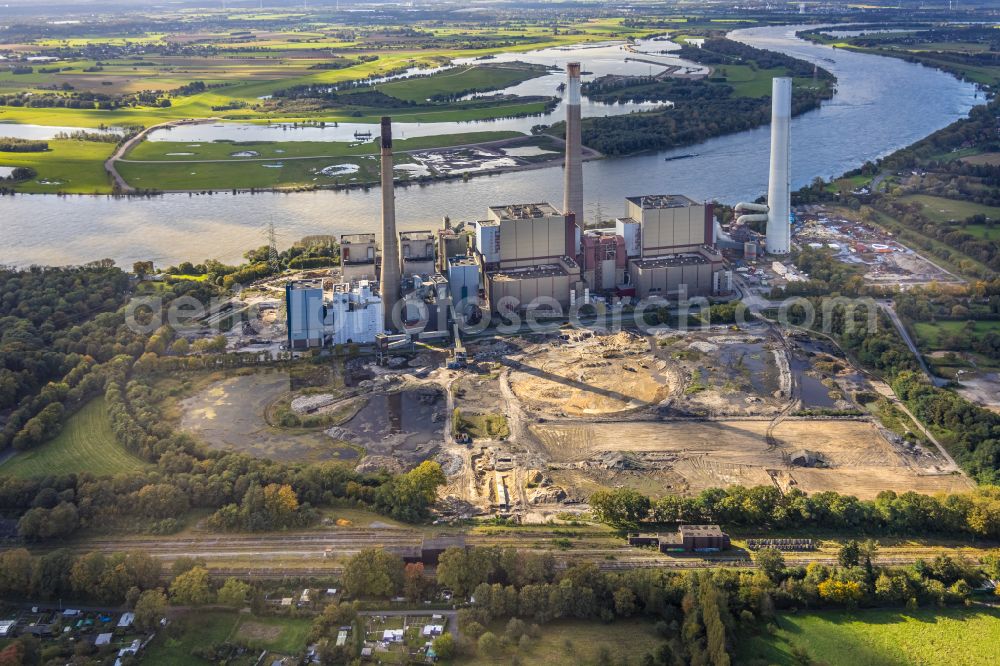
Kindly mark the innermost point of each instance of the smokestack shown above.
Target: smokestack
(389, 279)
(573, 186)
(779, 196)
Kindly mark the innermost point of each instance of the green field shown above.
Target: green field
(274, 60)
(940, 209)
(749, 81)
(581, 643)
(70, 166)
(86, 444)
(243, 174)
(162, 171)
(459, 80)
(929, 334)
(286, 636)
(949, 637)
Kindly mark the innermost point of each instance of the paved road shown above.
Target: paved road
(888, 308)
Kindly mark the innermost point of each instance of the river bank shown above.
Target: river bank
(880, 107)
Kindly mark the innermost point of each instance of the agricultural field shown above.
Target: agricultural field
(264, 68)
(930, 637)
(86, 444)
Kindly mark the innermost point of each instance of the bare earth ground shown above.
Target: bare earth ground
(674, 415)
(255, 631)
(229, 415)
(591, 377)
(983, 389)
(703, 454)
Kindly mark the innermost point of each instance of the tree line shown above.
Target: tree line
(9, 144)
(701, 616)
(975, 514)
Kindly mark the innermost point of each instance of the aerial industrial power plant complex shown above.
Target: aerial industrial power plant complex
(512, 333)
(533, 257)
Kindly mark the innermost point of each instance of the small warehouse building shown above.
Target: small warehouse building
(687, 539)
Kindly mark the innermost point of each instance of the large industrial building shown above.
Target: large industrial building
(321, 313)
(357, 257)
(527, 254)
(451, 243)
(662, 248)
(416, 252)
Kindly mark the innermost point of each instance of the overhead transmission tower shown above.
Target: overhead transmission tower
(272, 247)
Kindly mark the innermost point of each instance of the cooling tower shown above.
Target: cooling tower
(389, 279)
(779, 197)
(573, 186)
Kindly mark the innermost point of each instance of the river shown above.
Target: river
(882, 104)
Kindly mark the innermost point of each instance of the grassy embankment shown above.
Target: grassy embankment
(946, 637)
(86, 444)
(180, 151)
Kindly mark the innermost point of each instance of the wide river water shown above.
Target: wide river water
(881, 104)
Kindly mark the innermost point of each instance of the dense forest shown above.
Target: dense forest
(66, 338)
(56, 325)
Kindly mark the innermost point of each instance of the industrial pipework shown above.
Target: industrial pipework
(389, 279)
(573, 175)
(779, 193)
(756, 212)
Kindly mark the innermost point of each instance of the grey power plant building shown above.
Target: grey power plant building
(389, 282)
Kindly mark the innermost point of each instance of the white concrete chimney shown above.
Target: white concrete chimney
(779, 195)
